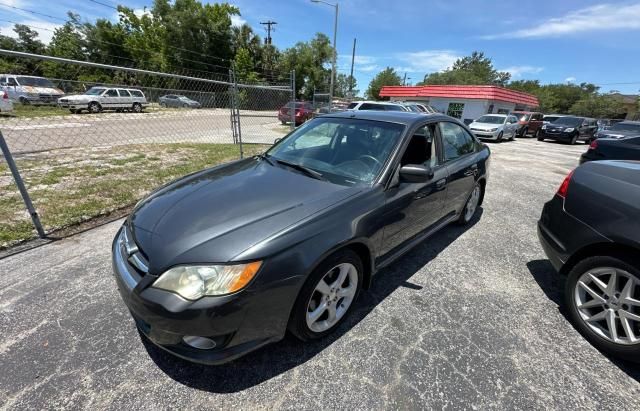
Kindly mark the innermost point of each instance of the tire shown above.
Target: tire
(283, 122)
(524, 132)
(74, 111)
(136, 108)
(310, 298)
(94, 107)
(471, 206)
(163, 105)
(598, 333)
(499, 139)
(574, 139)
(185, 106)
(537, 134)
(513, 136)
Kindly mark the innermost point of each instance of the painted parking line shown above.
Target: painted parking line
(44, 126)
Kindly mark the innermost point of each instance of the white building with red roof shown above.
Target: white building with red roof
(464, 102)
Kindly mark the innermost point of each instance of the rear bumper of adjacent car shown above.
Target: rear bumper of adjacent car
(236, 323)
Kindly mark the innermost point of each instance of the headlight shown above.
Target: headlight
(194, 282)
(544, 127)
(569, 130)
(493, 129)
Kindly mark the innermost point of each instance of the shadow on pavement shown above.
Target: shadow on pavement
(552, 284)
(275, 359)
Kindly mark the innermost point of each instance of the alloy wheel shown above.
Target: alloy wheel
(607, 300)
(472, 203)
(332, 297)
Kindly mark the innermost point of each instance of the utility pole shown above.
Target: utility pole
(269, 23)
(404, 80)
(353, 57)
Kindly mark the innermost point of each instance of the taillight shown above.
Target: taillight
(593, 145)
(5, 96)
(564, 187)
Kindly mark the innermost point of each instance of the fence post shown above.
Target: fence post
(293, 99)
(23, 190)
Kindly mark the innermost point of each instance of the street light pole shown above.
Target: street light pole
(335, 50)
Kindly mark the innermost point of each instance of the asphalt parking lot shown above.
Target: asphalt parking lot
(469, 319)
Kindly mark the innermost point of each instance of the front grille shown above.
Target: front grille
(132, 253)
(64, 100)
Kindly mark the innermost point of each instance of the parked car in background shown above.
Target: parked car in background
(333, 108)
(30, 89)
(550, 118)
(177, 100)
(377, 105)
(98, 99)
(529, 122)
(303, 112)
(590, 230)
(302, 230)
(620, 129)
(569, 130)
(625, 148)
(606, 123)
(417, 107)
(6, 105)
(495, 127)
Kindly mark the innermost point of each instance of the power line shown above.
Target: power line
(32, 12)
(104, 4)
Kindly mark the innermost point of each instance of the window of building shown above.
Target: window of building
(455, 110)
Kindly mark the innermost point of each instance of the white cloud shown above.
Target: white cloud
(237, 21)
(427, 61)
(602, 17)
(368, 68)
(44, 28)
(361, 63)
(570, 79)
(518, 71)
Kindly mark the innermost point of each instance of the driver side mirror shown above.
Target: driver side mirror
(416, 173)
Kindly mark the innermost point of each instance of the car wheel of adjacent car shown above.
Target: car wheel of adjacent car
(574, 139)
(537, 134)
(499, 139)
(471, 206)
(94, 107)
(24, 101)
(74, 111)
(185, 105)
(163, 105)
(602, 295)
(137, 107)
(524, 132)
(326, 298)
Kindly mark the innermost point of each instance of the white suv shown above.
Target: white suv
(376, 105)
(98, 99)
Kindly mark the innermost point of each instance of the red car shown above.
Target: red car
(304, 112)
(530, 122)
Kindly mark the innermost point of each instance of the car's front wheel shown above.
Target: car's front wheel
(327, 296)
(602, 295)
(499, 139)
(137, 107)
(94, 107)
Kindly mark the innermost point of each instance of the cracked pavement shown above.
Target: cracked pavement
(467, 320)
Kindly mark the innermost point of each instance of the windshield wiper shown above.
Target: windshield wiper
(306, 170)
(266, 158)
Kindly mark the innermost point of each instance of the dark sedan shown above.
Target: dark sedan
(569, 130)
(228, 259)
(621, 129)
(627, 148)
(176, 100)
(590, 231)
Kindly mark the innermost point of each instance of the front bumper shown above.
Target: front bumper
(238, 323)
(486, 135)
(561, 136)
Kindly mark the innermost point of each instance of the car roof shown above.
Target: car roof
(637, 123)
(407, 118)
(494, 114)
(392, 103)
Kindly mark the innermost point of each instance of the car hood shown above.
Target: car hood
(214, 215)
(484, 126)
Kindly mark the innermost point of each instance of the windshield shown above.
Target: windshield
(569, 121)
(550, 118)
(94, 91)
(522, 116)
(35, 82)
(491, 119)
(625, 127)
(344, 151)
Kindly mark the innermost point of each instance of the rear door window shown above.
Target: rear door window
(111, 93)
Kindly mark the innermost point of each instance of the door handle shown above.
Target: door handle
(469, 173)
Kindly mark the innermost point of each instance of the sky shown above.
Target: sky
(549, 40)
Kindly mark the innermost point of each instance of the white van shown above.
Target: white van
(30, 89)
(101, 98)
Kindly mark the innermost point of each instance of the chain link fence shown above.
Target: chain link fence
(95, 141)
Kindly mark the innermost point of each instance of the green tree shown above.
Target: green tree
(473, 69)
(344, 83)
(602, 106)
(310, 61)
(387, 77)
(244, 67)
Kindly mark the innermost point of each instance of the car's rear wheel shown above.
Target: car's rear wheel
(471, 206)
(327, 296)
(94, 107)
(137, 107)
(602, 295)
